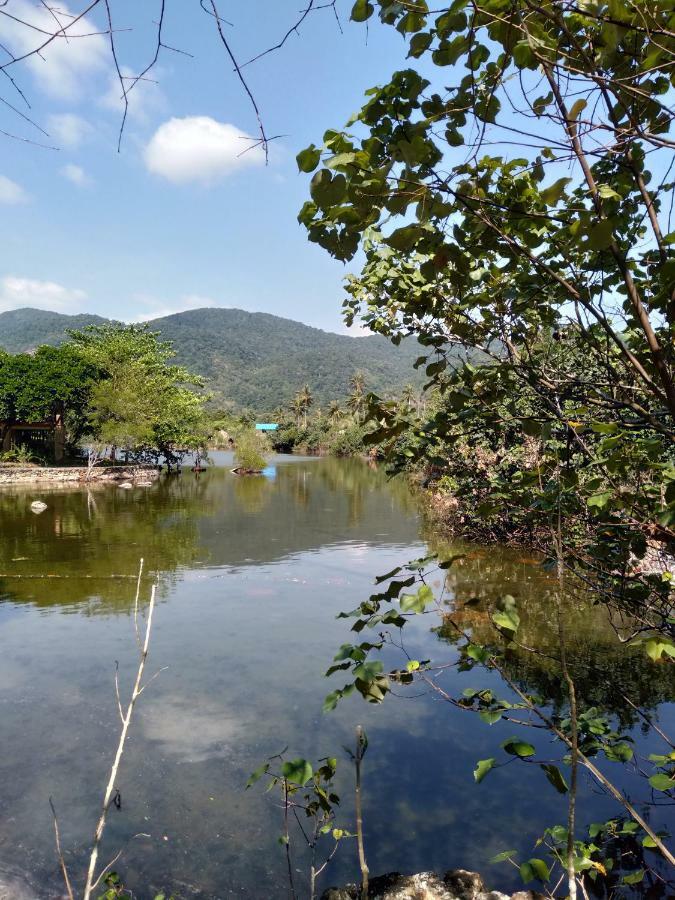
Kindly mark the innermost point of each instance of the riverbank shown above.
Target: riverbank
(12, 475)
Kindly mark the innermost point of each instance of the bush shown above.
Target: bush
(251, 449)
(348, 441)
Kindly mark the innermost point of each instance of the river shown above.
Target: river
(252, 573)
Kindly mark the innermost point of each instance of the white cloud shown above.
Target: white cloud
(68, 129)
(197, 148)
(16, 293)
(357, 330)
(157, 309)
(145, 97)
(61, 68)
(76, 174)
(11, 193)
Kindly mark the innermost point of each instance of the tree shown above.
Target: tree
(357, 397)
(142, 403)
(335, 412)
(522, 213)
(306, 401)
(489, 250)
(52, 385)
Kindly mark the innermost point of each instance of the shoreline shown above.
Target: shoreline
(16, 475)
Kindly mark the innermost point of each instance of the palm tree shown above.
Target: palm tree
(334, 412)
(357, 398)
(305, 400)
(297, 408)
(408, 397)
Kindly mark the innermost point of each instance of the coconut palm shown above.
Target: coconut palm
(357, 398)
(304, 400)
(334, 412)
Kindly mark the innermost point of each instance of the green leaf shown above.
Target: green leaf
(602, 235)
(419, 43)
(490, 716)
(503, 856)
(507, 619)
(599, 501)
(534, 868)
(483, 766)
(608, 193)
(308, 159)
(416, 603)
(553, 194)
(297, 771)
(257, 775)
(633, 877)
(657, 646)
(518, 748)
(361, 11)
(662, 782)
(556, 778)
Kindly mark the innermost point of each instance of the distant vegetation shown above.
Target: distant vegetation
(114, 389)
(249, 360)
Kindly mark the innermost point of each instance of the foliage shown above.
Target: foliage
(582, 732)
(305, 790)
(554, 267)
(555, 263)
(251, 449)
(248, 360)
(115, 890)
(142, 402)
(336, 431)
(22, 455)
(53, 380)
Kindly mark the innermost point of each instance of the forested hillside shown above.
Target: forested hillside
(26, 329)
(251, 360)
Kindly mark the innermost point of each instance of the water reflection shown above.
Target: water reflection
(71, 553)
(254, 571)
(606, 672)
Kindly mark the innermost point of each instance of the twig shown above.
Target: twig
(264, 140)
(62, 861)
(138, 593)
(358, 758)
(126, 721)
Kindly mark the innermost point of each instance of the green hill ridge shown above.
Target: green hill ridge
(253, 360)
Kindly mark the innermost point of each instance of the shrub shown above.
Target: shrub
(251, 449)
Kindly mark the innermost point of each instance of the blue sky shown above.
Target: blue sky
(175, 220)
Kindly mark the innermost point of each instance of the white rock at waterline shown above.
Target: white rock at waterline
(126, 485)
(37, 506)
(144, 484)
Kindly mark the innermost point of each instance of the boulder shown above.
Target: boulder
(37, 506)
(457, 884)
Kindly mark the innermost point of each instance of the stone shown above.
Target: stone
(37, 506)
(457, 884)
(127, 485)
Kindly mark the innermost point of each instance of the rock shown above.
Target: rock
(37, 506)
(126, 485)
(457, 884)
(143, 484)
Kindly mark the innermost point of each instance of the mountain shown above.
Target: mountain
(253, 360)
(26, 329)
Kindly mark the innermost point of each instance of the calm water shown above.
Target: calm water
(252, 573)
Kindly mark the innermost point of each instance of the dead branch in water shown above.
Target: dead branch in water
(110, 795)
